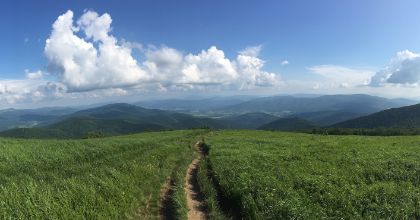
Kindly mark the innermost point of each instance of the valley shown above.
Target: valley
(282, 113)
(125, 161)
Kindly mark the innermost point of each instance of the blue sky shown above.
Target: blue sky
(317, 38)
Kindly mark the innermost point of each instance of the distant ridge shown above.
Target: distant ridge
(12, 118)
(357, 103)
(251, 120)
(287, 113)
(326, 118)
(289, 124)
(404, 117)
(113, 119)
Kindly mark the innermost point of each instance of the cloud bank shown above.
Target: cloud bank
(99, 61)
(85, 58)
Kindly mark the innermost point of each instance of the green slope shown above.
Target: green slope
(275, 175)
(167, 119)
(257, 174)
(107, 178)
(113, 119)
(404, 117)
(326, 118)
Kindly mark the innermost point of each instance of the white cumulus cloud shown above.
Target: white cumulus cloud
(80, 65)
(404, 69)
(208, 67)
(250, 68)
(100, 61)
(85, 59)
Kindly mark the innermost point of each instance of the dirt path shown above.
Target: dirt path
(195, 199)
(196, 209)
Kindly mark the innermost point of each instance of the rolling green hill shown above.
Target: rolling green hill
(83, 127)
(289, 124)
(121, 118)
(238, 112)
(404, 117)
(113, 119)
(275, 175)
(107, 178)
(136, 114)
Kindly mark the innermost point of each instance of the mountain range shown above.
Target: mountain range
(289, 124)
(358, 103)
(114, 119)
(13, 118)
(286, 113)
(405, 117)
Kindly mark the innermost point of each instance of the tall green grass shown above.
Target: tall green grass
(107, 178)
(211, 198)
(264, 175)
(273, 175)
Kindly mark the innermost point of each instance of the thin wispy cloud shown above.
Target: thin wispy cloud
(343, 76)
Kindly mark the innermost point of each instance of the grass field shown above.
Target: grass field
(244, 174)
(273, 175)
(108, 178)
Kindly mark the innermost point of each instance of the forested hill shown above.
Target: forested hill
(404, 117)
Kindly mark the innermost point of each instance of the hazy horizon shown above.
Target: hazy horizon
(134, 100)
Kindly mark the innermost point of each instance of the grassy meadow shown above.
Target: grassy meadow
(273, 175)
(107, 178)
(244, 174)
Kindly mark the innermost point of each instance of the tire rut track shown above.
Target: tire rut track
(167, 209)
(195, 198)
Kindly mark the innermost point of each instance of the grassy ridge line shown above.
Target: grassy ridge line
(275, 175)
(90, 179)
